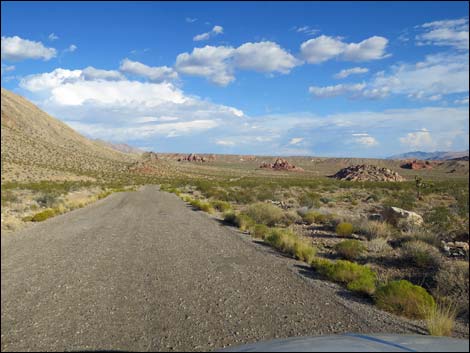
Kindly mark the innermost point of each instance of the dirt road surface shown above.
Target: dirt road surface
(142, 271)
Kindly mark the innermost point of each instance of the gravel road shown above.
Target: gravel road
(141, 271)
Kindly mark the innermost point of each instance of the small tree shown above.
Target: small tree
(420, 185)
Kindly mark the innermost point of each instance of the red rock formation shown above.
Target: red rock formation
(280, 164)
(417, 165)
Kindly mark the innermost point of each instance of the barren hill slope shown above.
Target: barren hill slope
(36, 146)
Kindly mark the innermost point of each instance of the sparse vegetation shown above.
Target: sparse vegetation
(350, 249)
(421, 254)
(375, 229)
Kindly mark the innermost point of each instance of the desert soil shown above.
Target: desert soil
(141, 271)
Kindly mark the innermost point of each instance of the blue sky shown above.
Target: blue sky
(279, 78)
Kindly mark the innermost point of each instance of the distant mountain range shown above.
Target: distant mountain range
(438, 155)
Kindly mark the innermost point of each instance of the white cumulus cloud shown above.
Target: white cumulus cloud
(323, 48)
(16, 49)
(153, 73)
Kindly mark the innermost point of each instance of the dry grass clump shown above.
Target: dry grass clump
(440, 319)
(375, 229)
(404, 298)
(265, 213)
(260, 231)
(240, 220)
(314, 217)
(290, 217)
(452, 283)
(344, 229)
(421, 254)
(350, 249)
(221, 206)
(378, 246)
(290, 243)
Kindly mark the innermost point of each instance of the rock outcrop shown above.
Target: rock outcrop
(417, 165)
(280, 164)
(192, 157)
(366, 172)
(400, 217)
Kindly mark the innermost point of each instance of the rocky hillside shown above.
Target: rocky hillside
(365, 172)
(121, 147)
(36, 146)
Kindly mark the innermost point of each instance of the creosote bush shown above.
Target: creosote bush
(344, 229)
(350, 249)
(265, 213)
(404, 298)
(43, 215)
(358, 278)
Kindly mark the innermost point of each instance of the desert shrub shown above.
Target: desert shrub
(358, 278)
(230, 217)
(47, 200)
(290, 217)
(350, 249)
(42, 216)
(439, 217)
(8, 196)
(430, 238)
(375, 229)
(241, 220)
(202, 205)
(421, 254)
(290, 243)
(404, 298)
(344, 229)
(440, 319)
(221, 206)
(265, 213)
(310, 200)
(314, 217)
(378, 246)
(260, 231)
(452, 283)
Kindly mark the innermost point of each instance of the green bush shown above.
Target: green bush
(310, 200)
(230, 217)
(202, 205)
(42, 216)
(357, 278)
(221, 206)
(290, 243)
(404, 298)
(260, 231)
(344, 229)
(265, 213)
(421, 254)
(350, 249)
